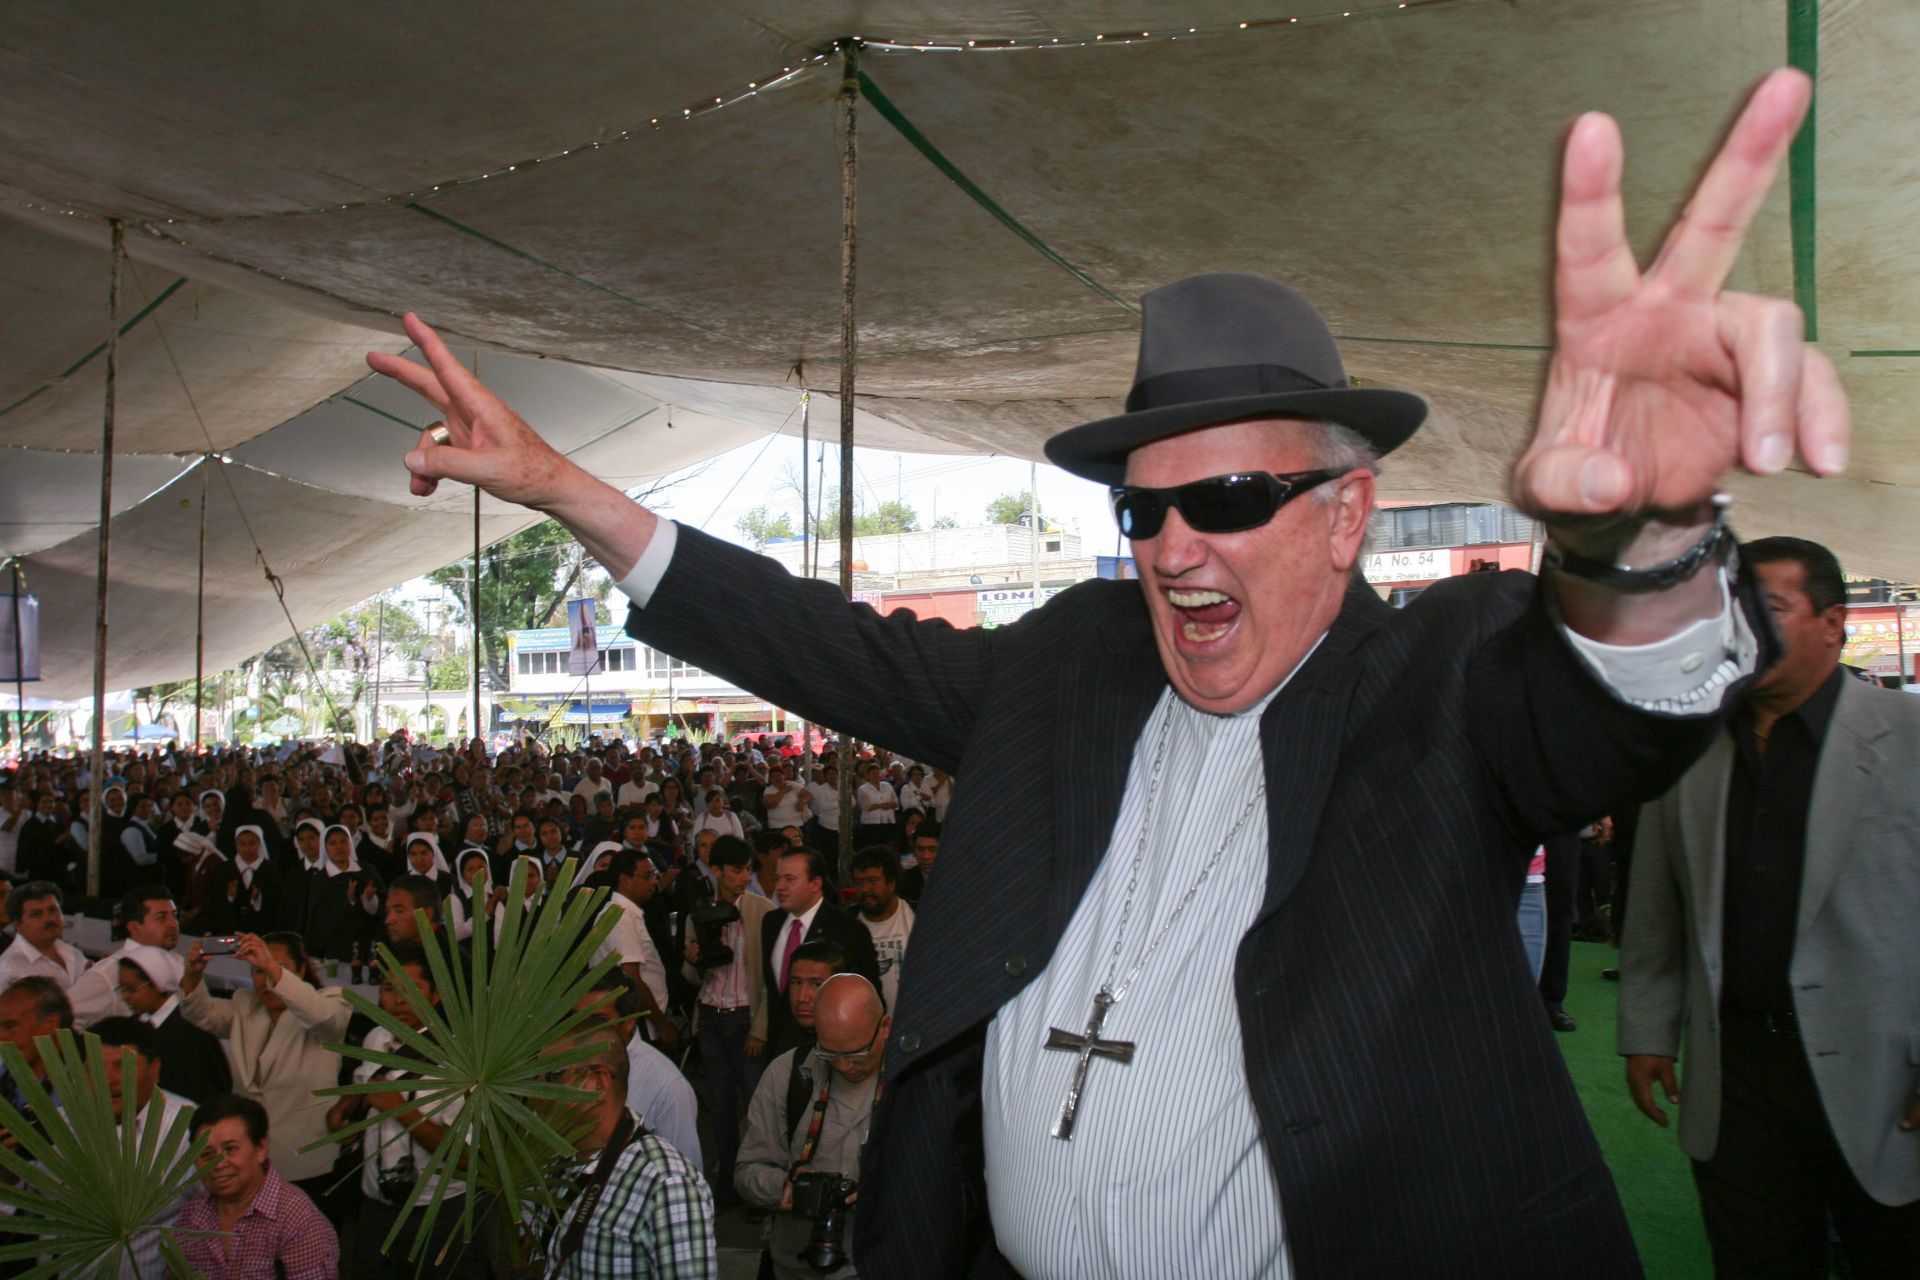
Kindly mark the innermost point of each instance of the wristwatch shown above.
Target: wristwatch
(1717, 542)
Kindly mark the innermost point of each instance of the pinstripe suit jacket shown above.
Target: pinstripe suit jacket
(1413, 1105)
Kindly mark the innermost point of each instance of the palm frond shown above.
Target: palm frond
(491, 1042)
(82, 1185)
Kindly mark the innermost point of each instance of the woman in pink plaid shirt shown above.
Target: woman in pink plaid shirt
(267, 1226)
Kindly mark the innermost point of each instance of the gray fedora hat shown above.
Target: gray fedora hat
(1218, 348)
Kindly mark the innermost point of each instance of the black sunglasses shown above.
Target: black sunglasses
(1218, 504)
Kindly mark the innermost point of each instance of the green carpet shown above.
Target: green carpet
(1648, 1166)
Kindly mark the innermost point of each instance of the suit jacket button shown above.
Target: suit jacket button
(909, 1042)
(1016, 965)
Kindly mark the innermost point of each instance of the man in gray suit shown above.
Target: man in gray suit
(1775, 901)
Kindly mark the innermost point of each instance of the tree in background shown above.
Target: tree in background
(888, 517)
(760, 528)
(1014, 508)
(450, 672)
(525, 581)
(156, 699)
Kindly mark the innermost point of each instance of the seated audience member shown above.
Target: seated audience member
(786, 1137)
(653, 1215)
(474, 888)
(262, 1226)
(30, 1008)
(147, 918)
(343, 901)
(397, 1151)
(277, 1066)
(407, 898)
(38, 949)
(245, 895)
(193, 1064)
(133, 1071)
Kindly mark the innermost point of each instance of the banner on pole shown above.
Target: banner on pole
(584, 656)
(26, 644)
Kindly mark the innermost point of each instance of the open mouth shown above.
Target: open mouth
(1205, 616)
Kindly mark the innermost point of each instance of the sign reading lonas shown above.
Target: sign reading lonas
(1409, 566)
(999, 607)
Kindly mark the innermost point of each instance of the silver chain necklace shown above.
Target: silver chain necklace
(1088, 1044)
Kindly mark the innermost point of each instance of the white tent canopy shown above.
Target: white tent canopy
(292, 178)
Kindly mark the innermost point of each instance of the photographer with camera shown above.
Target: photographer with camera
(399, 1149)
(723, 961)
(806, 1128)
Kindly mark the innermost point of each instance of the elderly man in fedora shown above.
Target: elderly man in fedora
(1272, 1016)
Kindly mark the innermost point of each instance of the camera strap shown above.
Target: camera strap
(819, 1119)
(588, 1197)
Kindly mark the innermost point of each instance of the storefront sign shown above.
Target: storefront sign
(1007, 604)
(1409, 566)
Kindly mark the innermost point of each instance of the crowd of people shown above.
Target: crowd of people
(739, 966)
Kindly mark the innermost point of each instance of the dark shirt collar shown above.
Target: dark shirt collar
(1815, 714)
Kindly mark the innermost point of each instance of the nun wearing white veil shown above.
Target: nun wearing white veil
(424, 859)
(343, 902)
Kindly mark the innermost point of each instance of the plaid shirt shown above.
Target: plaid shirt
(654, 1220)
(470, 800)
(281, 1227)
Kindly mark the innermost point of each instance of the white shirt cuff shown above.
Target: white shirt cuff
(1687, 673)
(644, 578)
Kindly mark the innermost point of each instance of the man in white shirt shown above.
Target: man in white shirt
(594, 781)
(13, 817)
(634, 791)
(133, 1081)
(148, 916)
(635, 881)
(37, 950)
(888, 916)
(657, 1092)
(825, 790)
(398, 1151)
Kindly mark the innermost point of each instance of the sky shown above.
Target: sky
(714, 496)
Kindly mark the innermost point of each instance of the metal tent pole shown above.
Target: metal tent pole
(806, 546)
(1033, 526)
(200, 611)
(97, 816)
(849, 100)
(475, 611)
(379, 657)
(19, 663)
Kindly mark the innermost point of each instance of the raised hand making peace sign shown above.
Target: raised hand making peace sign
(1660, 382)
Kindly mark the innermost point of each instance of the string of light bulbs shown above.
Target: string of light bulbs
(737, 94)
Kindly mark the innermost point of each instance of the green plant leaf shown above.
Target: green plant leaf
(490, 1042)
(83, 1185)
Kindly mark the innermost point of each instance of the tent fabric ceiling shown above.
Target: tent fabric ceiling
(1396, 166)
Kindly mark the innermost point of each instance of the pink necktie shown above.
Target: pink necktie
(786, 953)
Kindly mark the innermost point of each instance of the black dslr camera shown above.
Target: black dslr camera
(823, 1197)
(708, 921)
(398, 1180)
